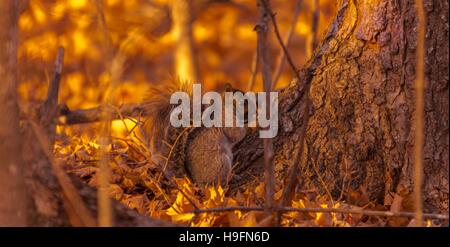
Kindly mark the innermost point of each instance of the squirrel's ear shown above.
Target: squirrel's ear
(228, 87)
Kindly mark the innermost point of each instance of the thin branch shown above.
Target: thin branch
(261, 29)
(419, 112)
(48, 111)
(324, 210)
(99, 114)
(314, 26)
(228, 209)
(287, 43)
(53, 90)
(104, 201)
(105, 217)
(115, 69)
(266, 6)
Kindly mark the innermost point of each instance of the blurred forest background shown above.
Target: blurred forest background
(144, 31)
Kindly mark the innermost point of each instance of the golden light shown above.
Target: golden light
(319, 215)
(245, 32)
(38, 13)
(58, 11)
(302, 28)
(122, 128)
(80, 42)
(202, 33)
(112, 2)
(25, 22)
(77, 4)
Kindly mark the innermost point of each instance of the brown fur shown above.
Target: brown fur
(204, 154)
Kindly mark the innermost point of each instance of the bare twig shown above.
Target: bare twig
(104, 216)
(228, 209)
(315, 24)
(48, 111)
(264, 58)
(323, 210)
(104, 202)
(53, 89)
(115, 69)
(265, 4)
(287, 43)
(99, 114)
(419, 112)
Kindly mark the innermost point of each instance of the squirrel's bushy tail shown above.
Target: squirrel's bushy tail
(158, 108)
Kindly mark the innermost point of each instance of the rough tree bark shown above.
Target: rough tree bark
(360, 133)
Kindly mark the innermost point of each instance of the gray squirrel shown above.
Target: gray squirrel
(203, 154)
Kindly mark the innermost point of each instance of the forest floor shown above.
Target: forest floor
(137, 182)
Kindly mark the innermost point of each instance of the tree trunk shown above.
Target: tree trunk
(360, 133)
(12, 189)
